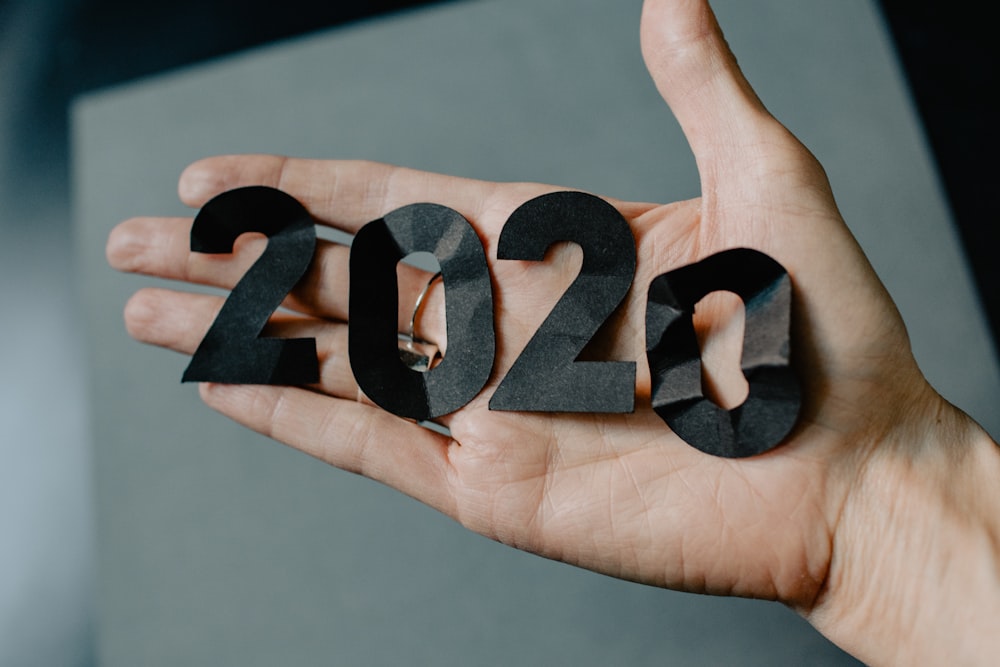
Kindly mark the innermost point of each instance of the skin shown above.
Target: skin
(876, 519)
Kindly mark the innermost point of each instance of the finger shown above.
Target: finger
(348, 194)
(358, 438)
(178, 321)
(730, 131)
(161, 247)
(696, 73)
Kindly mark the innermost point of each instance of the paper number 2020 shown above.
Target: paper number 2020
(546, 377)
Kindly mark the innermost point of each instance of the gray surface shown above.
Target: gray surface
(45, 513)
(218, 547)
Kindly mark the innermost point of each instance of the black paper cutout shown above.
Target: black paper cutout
(231, 351)
(546, 376)
(772, 405)
(374, 302)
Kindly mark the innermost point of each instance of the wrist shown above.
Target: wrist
(914, 576)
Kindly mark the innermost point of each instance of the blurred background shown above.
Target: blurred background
(54, 50)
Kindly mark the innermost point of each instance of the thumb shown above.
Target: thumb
(698, 76)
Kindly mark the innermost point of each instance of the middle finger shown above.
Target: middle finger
(160, 247)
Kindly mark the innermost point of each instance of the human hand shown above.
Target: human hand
(615, 493)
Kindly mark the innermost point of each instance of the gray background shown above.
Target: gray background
(219, 547)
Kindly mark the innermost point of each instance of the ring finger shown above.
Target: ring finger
(178, 321)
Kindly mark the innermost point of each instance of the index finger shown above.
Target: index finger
(347, 194)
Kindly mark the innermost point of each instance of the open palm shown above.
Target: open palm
(619, 494)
